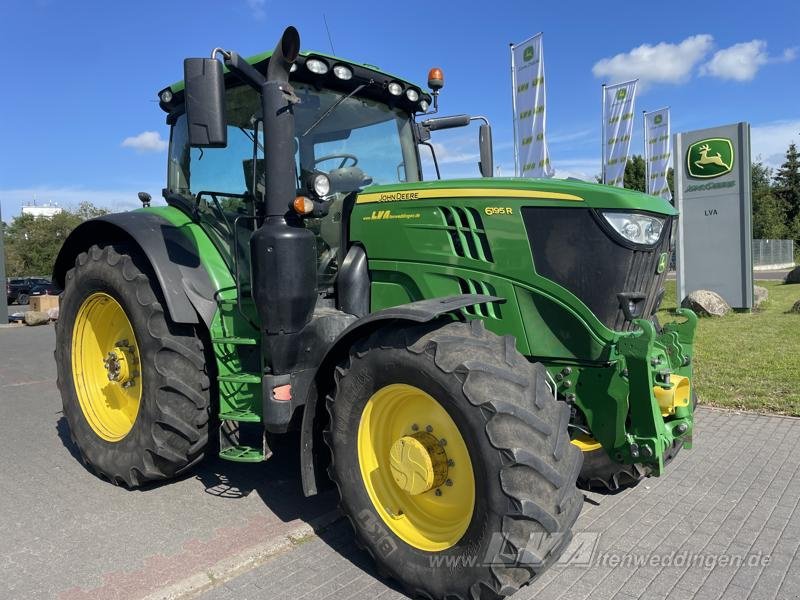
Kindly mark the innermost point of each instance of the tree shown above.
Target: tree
(786, 185)
(635, 177)
(32, 243)
(769, 215)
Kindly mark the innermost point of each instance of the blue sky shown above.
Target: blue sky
(80, 78)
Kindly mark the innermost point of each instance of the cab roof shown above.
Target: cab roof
(376, 79)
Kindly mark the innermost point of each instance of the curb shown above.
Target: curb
(228, 568)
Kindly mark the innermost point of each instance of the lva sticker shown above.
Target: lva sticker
(710, 158)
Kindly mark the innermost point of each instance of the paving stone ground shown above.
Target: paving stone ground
(64, 533)
(728, 507)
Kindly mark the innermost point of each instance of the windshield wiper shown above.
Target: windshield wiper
(333, 107)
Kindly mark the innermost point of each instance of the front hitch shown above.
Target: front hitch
(659, 372)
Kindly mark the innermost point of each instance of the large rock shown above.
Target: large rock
(33, 317)
(793, 276)
(706, 304)
(760, 295)
(795, 308)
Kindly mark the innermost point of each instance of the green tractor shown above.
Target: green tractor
(458, 356)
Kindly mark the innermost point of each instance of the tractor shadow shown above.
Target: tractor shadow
(276, 481)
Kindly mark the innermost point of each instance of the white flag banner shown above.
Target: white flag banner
(527, 75)
(657, 152)
(617, 129)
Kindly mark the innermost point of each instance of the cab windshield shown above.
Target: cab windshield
(361, 142)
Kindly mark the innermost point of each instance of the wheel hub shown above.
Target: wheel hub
(418, 463)
(118, 363)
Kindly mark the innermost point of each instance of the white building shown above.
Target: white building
(41, 210)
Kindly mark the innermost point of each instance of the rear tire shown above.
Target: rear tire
(170, 430)
(22, 299)
(525, 499)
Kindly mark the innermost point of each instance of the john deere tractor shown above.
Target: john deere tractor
(457, 356)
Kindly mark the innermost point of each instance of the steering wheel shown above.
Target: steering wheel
(344, 158)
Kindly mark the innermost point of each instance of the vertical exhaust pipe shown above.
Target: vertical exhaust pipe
(283, 252)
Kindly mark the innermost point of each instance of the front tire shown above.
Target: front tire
(506, 513)
(138, 406)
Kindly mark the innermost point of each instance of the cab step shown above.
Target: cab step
(244, 415)
(235, 341)
(243, 454)
(240, 378)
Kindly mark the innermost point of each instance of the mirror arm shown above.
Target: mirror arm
(246, 72)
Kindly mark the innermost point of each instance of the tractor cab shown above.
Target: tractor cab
(354, 126)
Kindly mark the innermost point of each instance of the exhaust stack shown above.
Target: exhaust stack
(283, 252)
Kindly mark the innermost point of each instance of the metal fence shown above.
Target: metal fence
(776, 254)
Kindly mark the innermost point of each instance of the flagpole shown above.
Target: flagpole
(603, 138)
(646, 157)
(514, 110)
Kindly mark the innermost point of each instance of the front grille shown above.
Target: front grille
(467, 235)
(572, 249)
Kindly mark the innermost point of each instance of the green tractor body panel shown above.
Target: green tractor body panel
(442, 238)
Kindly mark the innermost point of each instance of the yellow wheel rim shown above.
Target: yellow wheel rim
(105, 367)
(416, 467)
(586, 443)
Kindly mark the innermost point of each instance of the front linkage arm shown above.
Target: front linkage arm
(652, 361)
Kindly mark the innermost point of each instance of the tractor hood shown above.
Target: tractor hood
(590, 195)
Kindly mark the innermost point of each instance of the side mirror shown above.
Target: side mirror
(204, 95)
(486, 164)
(437, 123)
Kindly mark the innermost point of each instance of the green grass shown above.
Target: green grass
(748, 361)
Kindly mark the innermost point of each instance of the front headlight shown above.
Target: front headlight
(636, 228)
(321, 184)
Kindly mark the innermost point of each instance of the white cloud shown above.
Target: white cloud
(739, 62)
(788, 55)
(257, 8)
(147, 141)
(586, 169)
(769, 141)
(662, 63)
(742, 61)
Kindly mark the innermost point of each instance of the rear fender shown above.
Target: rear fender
(174, 258)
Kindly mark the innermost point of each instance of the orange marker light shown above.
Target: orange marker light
(302, 205)
(435, 79)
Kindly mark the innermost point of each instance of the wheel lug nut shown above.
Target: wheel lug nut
(443, 442)
(451, 462)
(449, 482)
(415, 427)
(438, 492)
(428, 428)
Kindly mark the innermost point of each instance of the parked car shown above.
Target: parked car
(41, 286)
(20, 289)
(17, 288)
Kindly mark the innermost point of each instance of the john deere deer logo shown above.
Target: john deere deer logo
(527, 54)
(710, 158)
